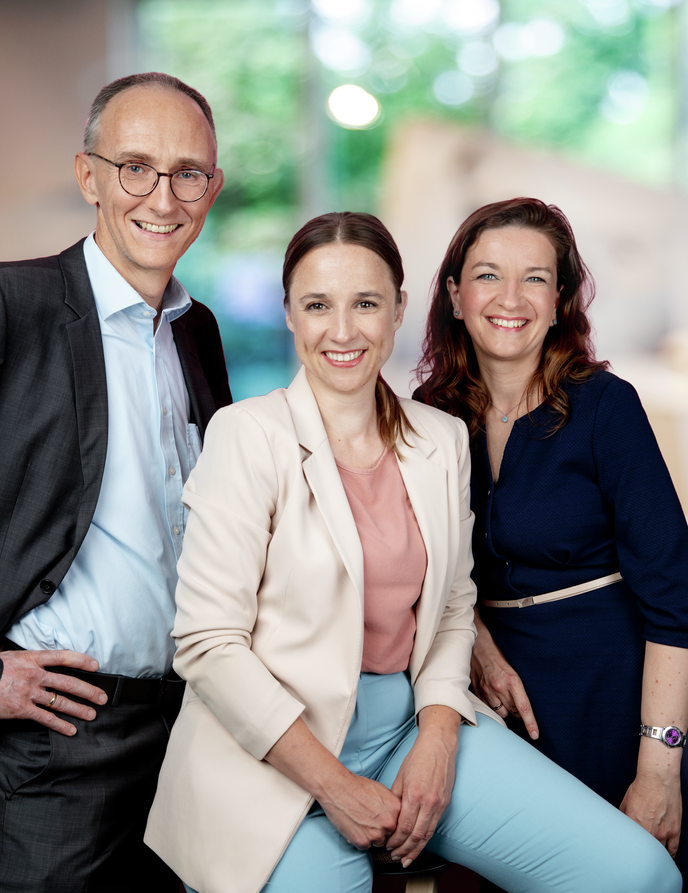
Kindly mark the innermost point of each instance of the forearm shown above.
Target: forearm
(300, 756)
(664, 703)
(654, 798)
(441, 724)
(362, 810)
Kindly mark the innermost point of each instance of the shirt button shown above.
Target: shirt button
(175, 531)
(164, 410)
(488, 492)
(486, 534)
(172, 470)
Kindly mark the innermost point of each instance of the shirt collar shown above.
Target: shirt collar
(113, 293)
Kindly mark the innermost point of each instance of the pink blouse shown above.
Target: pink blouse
(394, 562)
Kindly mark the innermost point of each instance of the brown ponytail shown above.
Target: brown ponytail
(393, 423)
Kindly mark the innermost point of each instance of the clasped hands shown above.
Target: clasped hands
(404, 818)
(27, 687)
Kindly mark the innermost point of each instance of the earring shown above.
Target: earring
(554, 322)
(456, 314)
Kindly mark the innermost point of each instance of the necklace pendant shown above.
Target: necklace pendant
(504, 418)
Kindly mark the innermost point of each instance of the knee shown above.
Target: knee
(650, 869)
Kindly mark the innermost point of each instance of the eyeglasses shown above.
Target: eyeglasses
(140, 179)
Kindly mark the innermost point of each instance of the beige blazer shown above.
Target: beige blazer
(269, 623)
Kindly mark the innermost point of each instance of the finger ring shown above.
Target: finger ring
(53, 699)
(379, 846)
(497, 706)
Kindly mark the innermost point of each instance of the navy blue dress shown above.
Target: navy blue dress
(589, 500)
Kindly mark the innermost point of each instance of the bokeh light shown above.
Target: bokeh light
(453, 88)
(352, 106)
(541, 37)
(339, 48)
(627, 93)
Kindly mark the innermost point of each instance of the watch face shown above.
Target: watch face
(672, 736)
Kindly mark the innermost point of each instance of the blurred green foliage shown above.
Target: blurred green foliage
(605, 95)
(252, 57)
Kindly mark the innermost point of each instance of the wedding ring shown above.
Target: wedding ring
(497, 706)
(378, 846)
(53, 699)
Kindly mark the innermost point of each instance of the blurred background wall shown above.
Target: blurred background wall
(449, 104)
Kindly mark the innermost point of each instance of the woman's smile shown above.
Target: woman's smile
(344, 359)
(502, 323)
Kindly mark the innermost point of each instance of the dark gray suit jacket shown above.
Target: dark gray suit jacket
(54, 416)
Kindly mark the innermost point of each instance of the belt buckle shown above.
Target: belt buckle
(525, 602)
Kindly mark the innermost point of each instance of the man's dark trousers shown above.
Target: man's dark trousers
(97, 779)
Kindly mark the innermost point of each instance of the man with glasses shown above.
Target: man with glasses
(109, 374)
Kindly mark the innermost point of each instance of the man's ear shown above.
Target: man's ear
(215, 185)
(85, 176)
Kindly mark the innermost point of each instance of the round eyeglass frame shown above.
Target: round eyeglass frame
(158, 174)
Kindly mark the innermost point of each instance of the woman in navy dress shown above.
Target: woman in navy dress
(574, 506)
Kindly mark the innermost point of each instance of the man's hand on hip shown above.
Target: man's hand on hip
(27, 687)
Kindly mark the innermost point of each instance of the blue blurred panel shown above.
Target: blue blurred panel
(244, 291)
(259, 378)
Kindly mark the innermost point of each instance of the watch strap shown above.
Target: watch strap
(672, 736)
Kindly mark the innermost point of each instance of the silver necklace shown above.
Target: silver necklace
(505, 416)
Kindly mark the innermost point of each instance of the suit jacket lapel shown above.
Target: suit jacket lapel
(320, 470)
(90, 385)
(426, 485)
(202, 403)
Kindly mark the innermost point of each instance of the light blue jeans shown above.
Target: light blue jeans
(514, 817)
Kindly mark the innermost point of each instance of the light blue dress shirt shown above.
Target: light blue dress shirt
(116, 602)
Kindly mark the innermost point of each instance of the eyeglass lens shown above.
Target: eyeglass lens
(140, 179)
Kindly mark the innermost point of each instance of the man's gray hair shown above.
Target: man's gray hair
(149, 78)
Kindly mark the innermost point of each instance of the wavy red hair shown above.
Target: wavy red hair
(448, 370)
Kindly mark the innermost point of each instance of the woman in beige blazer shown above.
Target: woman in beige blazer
(287, 762)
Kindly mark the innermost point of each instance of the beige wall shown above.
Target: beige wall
(54, 57)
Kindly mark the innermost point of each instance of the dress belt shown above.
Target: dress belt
(569, 592)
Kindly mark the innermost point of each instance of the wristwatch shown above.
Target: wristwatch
(672, 736)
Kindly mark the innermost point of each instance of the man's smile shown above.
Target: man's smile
(156, 228)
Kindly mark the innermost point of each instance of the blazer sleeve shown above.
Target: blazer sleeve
(445, 674)
(231, 496)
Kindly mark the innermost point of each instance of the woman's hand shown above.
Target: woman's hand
(425, 782)
(654, 801)
(364, 811)
(496, 682)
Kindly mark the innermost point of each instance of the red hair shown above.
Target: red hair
(448, 369)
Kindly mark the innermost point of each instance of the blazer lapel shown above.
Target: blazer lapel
(426, 485)
(90, 385)
(202, 403)
(320, 470)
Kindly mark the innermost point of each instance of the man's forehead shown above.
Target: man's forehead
(143, 119)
